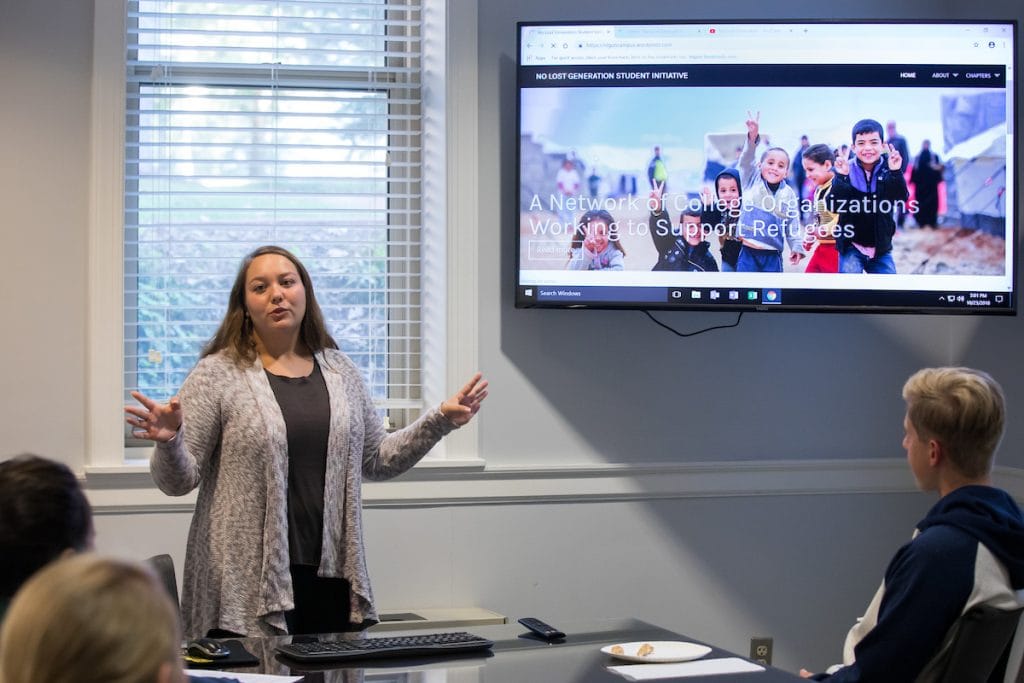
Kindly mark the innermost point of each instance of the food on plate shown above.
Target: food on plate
(645, 650)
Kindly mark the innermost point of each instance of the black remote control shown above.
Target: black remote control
(545, 631)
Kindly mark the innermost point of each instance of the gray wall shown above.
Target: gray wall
(45, 75)
(721, 568)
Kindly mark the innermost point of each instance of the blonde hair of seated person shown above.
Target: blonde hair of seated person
(90, 619)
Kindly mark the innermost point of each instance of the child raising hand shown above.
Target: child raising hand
(770, 217)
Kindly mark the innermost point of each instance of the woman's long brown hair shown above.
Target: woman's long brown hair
(235, 333)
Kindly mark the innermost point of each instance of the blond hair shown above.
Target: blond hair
(961, 408)
(89, 619)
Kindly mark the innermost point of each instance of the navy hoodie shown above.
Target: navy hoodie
(955, 561)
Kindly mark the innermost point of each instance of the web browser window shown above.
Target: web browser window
(635, 140)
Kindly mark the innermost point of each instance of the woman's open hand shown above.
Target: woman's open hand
(460, 408)
(154, 421)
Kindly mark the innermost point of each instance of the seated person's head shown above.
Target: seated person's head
(817, 161)
(867, 141)
(963, 410)
(89, 619)
(693, 229)
(43, 514)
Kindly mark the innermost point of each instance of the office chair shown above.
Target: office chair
(163, 565)
(979, 650)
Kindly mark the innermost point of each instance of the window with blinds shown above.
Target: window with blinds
(294, 123)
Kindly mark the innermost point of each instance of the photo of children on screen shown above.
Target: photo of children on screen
(770, 218)
(718, 155)
(595, 243)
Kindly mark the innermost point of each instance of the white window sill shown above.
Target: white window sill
(134, 472)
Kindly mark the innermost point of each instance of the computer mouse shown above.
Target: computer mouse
(207, 648)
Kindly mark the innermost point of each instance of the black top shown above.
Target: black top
(306, 408)
(865, 204)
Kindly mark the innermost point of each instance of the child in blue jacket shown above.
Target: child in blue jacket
(770, 216)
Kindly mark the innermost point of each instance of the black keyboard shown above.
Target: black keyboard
(397, 646)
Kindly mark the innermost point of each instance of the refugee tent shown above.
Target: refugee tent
(978, 169)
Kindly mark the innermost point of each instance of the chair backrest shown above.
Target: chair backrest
(163, 565)
(978, 650)
(1015, 656)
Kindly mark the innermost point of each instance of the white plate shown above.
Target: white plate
(664, 651)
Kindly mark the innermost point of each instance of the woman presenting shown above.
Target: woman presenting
(277, 429)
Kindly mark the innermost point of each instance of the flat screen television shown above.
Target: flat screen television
(627, 127)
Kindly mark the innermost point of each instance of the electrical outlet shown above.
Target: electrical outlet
(761, 650)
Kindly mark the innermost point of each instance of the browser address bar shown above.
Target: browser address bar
(589, 52)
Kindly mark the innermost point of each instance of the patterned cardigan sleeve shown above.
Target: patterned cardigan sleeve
(388, 455)
(179, 465)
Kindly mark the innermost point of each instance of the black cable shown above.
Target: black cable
(692, 334)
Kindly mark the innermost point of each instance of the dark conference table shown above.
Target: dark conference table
(517, 657)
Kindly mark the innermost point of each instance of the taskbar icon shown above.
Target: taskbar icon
(718, 296)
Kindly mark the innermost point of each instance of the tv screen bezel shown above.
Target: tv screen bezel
(760, 305)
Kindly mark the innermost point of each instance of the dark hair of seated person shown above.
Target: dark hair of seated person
(43, 514)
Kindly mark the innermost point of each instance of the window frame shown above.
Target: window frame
(450, 218)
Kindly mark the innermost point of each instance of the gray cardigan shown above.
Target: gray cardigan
(233, 445)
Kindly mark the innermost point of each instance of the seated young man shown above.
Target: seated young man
(43, 515)
(969, 548)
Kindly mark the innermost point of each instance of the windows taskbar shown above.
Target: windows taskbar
(761, 298)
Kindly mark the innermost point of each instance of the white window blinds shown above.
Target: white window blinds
(294, 123)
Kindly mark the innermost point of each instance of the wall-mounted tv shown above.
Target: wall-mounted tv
(804, 166)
